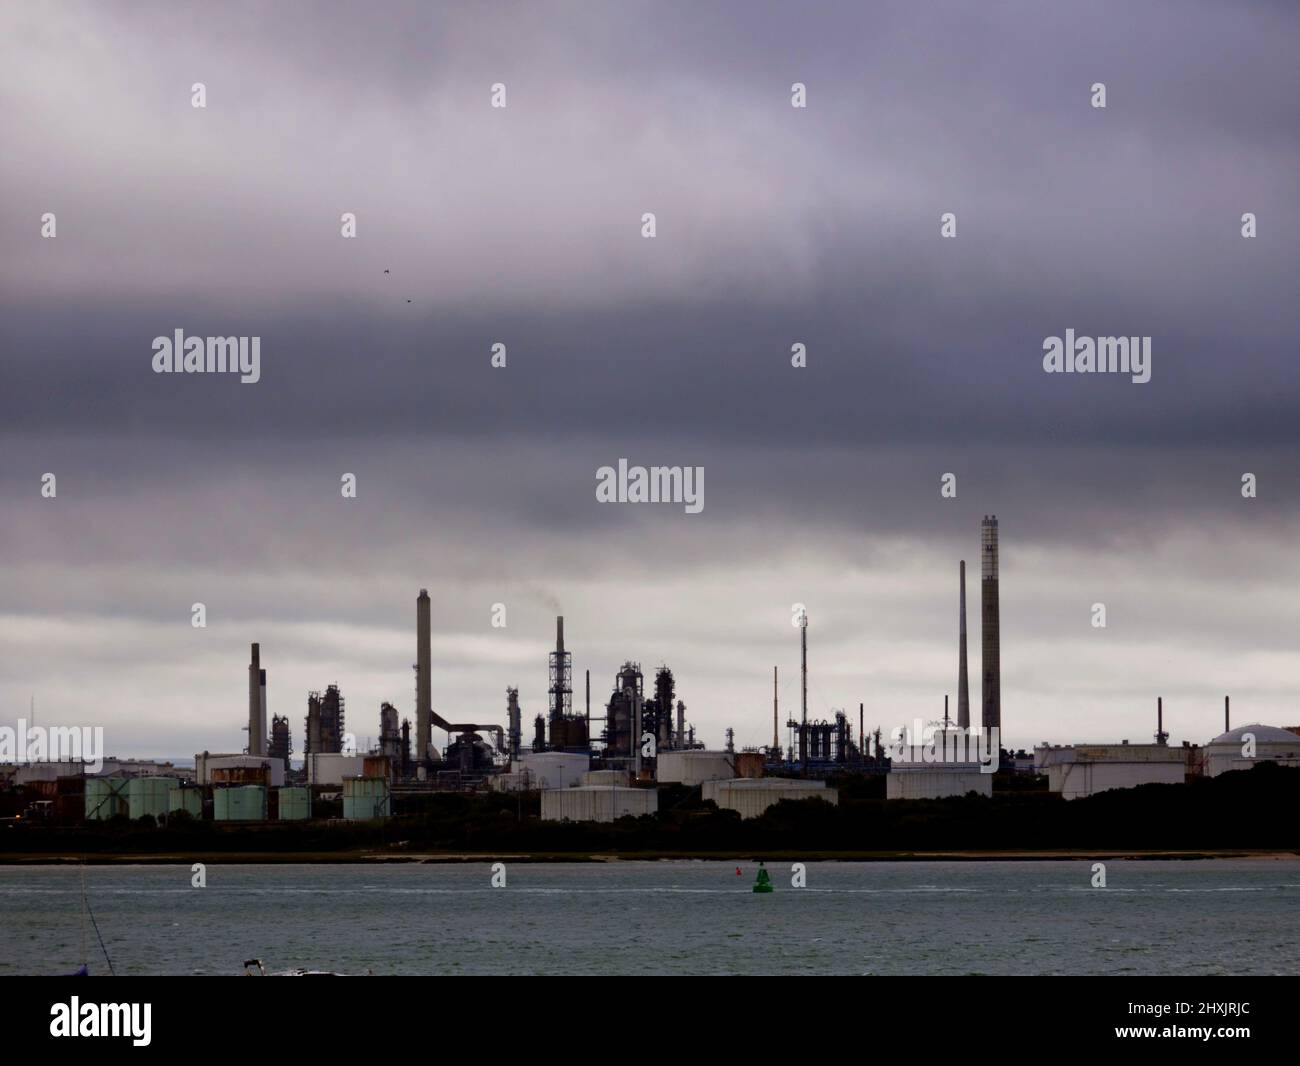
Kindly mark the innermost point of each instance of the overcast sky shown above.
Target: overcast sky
(522, 225)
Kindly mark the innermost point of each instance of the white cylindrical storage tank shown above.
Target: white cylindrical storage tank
(606, 778)
(751, 796)
(553, 769)
(936, 783)
(597, 804)
(694, 767)
(1248, 746)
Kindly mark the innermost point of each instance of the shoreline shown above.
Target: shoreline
(441, 858)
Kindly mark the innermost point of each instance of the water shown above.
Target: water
(1203, 917)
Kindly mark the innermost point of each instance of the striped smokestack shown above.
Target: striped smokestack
(989, 624)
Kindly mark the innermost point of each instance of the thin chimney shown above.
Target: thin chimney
(803, 698)
(776, 739)
(963, 680)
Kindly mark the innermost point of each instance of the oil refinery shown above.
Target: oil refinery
(611, 764)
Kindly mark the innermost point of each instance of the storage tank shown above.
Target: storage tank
(750, 796)
(333, 768)
(105, 798)
(365, 798)
(939, 782)
(148, 795)
(239, 803)
(295, 804)
(553, 769)
(190, 800)
(693, 767)
(1268, 744)
(597, 803)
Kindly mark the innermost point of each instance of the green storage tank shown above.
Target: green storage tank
(148, 795)
(365, 798)
(295, 804)
(180, 798)
(105, 798)
(239, 803)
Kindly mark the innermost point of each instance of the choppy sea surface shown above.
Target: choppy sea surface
(1223, 916)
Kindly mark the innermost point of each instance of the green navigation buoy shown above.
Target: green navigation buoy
(764, 882)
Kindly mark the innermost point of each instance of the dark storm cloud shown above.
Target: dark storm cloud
(776, 225)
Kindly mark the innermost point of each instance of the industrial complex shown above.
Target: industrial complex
(614, 763)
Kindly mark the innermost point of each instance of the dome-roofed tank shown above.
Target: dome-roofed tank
(1247, 746)
(1263, 734)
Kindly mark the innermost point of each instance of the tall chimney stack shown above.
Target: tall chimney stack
(990, 624)
(776, 736)
(255, 703)
(963, 680)
(803, 697)
(423, 683)
(1226, 725)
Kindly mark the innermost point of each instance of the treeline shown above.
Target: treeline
(1244, 810)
